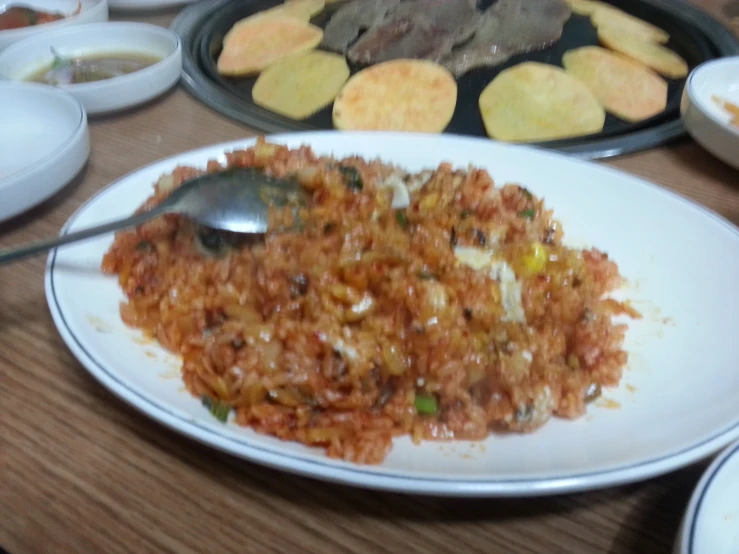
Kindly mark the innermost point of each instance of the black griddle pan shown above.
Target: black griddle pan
(693, 35)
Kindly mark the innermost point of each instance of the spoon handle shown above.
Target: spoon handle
(13, 254)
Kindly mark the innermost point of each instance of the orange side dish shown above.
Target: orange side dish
(733, 109)
(457, 315)
(20, 17)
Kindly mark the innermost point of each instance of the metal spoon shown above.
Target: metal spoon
(235, 200)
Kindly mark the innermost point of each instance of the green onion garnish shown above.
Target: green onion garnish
(426, 404)
(401, 218)
(217, 408)
(352, 177)
(528, 214)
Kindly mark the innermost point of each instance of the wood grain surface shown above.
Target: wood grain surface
(80, 472)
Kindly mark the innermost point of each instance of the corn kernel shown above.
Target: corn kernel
(536, 260)
(429, 202)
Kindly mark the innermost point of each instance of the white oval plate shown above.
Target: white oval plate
(44, 142)
(711, 522)
(677, 399)
(33, 54)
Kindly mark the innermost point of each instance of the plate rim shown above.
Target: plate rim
(355, 474)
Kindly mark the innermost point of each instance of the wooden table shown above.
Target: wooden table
(81, 472)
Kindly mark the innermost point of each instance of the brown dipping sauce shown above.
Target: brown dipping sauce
(89, 69)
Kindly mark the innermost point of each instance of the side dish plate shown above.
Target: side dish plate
(32, 55)
(682, 354)
(709, 524)
(90, 11)
(704, 114)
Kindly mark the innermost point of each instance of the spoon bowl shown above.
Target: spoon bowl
(235, 200)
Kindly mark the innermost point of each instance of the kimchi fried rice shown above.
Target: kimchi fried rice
(436, 305)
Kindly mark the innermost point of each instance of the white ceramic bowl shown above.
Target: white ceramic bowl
(25, 58)
(44, 143)
(706, 121)
(711, 523)
(92, 11)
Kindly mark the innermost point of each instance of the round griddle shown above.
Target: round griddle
(695, 35)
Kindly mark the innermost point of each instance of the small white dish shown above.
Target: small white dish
(90, 11)
(147, 5)
(711, 522)
(44, 143)
(706, 121)
(29, 56)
